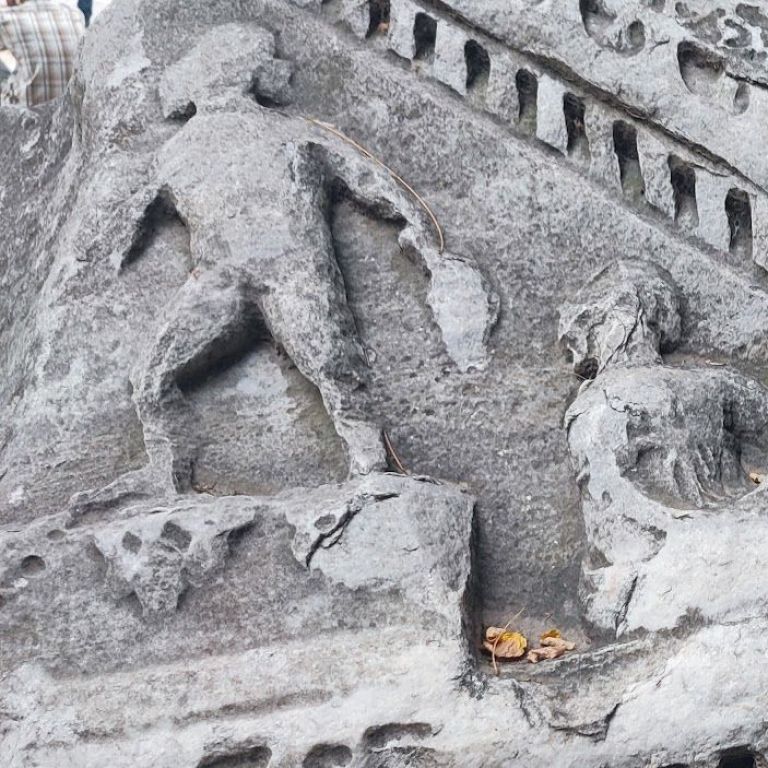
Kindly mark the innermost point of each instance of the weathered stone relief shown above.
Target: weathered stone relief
(616, 148)
(277, 272)
(668, 457)
(738, 30)
(242, 286)
(613, 25)
(158, 556)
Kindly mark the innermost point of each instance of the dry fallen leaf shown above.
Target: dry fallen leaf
(557, 642)
(503, 644)
(756, 477)
(554, 645)
(544, 654)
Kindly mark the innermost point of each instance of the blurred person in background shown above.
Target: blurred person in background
(43, 36)
(86, 6)
(7, 68)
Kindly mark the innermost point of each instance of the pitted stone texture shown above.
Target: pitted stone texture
(381, 550)
(158, 556)
(215, 319)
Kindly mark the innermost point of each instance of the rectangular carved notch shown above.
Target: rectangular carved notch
(527, 96)
(625, 147)
(578, 143)
(739, 212)
(683, 178)
(478, 65)
(424, 36)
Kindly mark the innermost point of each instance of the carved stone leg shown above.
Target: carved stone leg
(321, 339)
(208, 323)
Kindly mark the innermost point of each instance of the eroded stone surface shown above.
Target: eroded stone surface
(260, 261)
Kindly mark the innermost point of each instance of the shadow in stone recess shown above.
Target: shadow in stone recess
(328, 756)
(253, 757)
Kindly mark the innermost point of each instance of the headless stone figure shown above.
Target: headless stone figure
(255, 190)
(680, 432)
(651, 442)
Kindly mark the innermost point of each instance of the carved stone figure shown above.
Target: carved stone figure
(626, 315)
(285, 420)
(256, 204)
(655, 445)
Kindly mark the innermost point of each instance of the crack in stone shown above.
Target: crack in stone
(333, 537)
(623, 610)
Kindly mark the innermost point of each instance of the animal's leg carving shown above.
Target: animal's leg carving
(342, 390)
(211, 323)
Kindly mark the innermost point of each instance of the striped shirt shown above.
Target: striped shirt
(44, 36)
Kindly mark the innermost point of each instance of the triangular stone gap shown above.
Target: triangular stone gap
(249, 401)
(159, 216)
(222, 354)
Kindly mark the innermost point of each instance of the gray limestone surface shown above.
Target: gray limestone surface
(334, 331)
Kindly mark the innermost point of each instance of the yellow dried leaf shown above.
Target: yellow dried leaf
(503, 644)
(551, 633)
